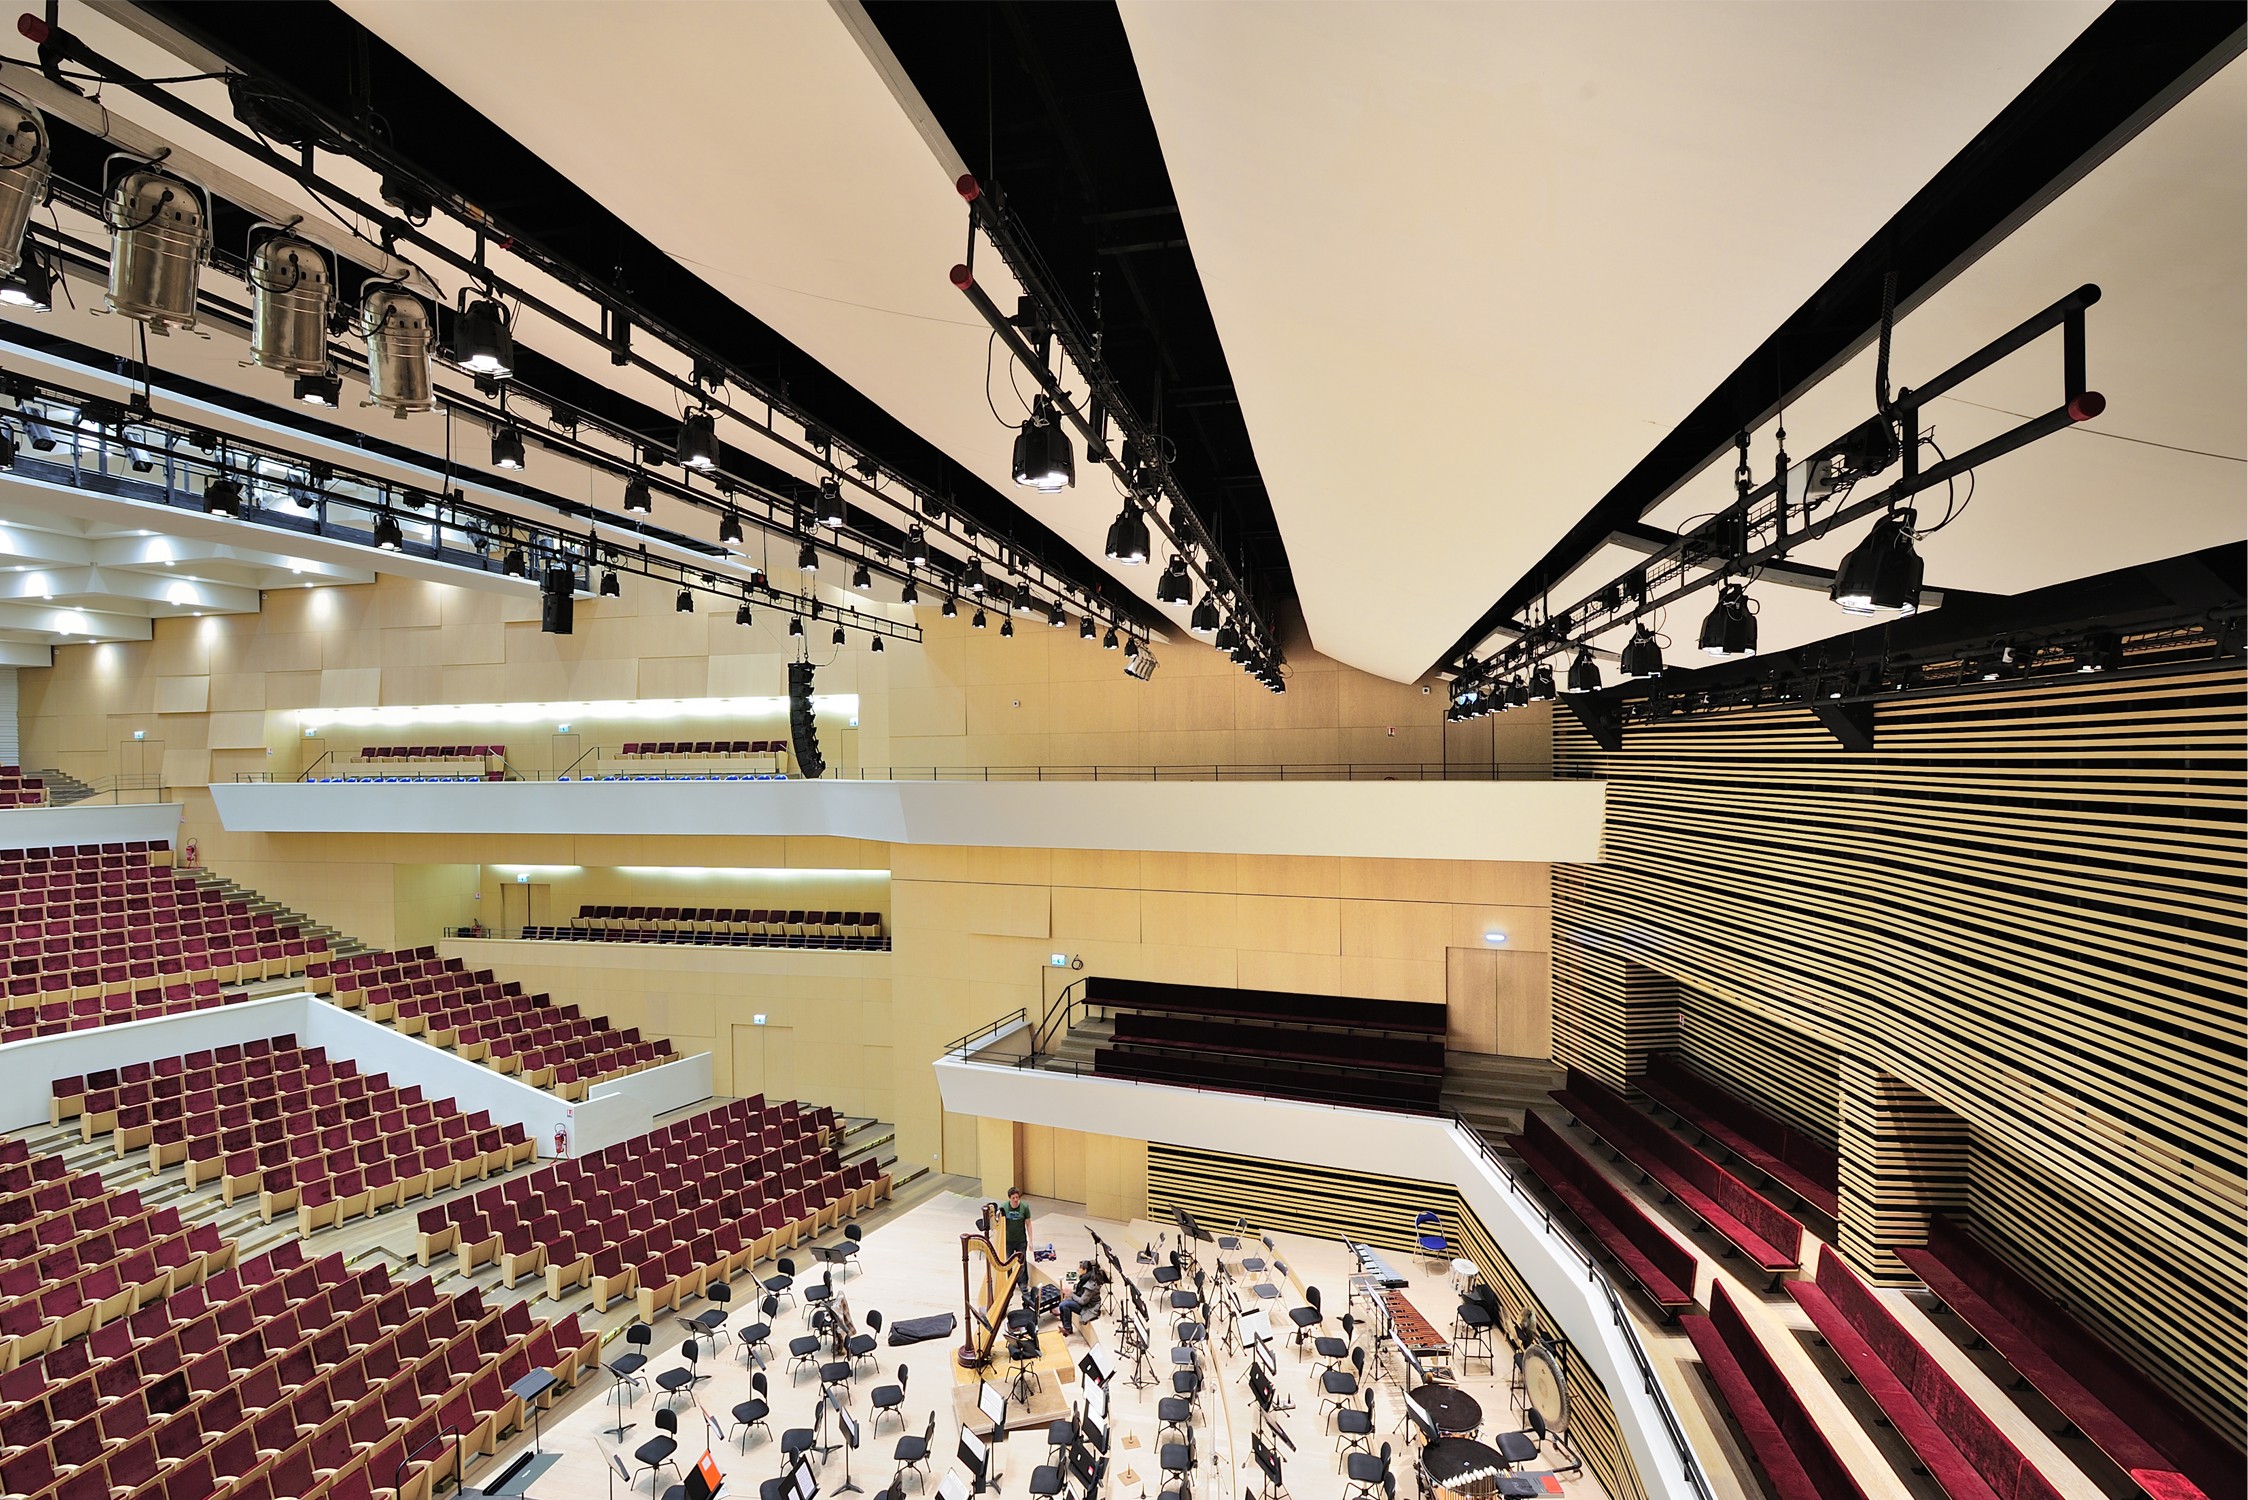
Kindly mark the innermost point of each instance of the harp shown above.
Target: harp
(984, 1314)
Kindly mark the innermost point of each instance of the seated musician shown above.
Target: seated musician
(1084, 1297)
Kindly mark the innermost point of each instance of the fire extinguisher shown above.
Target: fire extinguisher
(562, 1139)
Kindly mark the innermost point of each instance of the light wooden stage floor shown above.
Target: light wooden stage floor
(911, 1268)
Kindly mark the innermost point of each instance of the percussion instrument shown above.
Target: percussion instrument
(1460, 1469)
(1380, 1271)
(1453, 1411)
(1417, 1334)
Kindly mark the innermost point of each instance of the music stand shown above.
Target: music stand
(703, 1480)
(976, 1454)
(614, 1463)
(1098, 1364)
(807, 1486)
(850, 1441)
(953, 1487)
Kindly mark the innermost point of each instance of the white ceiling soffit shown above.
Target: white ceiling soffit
(759, 147)
(2158, 227)
(1471, 262)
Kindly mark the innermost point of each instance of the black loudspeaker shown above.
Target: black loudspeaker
(803, 731)
(558, 604)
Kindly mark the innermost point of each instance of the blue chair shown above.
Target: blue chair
(1428, 1229)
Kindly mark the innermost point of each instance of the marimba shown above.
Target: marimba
(1372, 1265)
(1416, 1334)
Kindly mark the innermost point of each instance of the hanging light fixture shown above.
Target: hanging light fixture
(1204, 621)
(389, 535)
(831, 503)
(838, 638)
(1109, 641)
(978, 622)
(1881, 575)
(322, 389)
(1127, 536)
(2103, 652)
(1642, 655)
(861, 577)
(507, 446)
(1541, 682)
(1729, 629)
(916, 548)
(24, 173)
(808, 558)
(685, 603)
(515, 564)
(910, 594)
(639, 499)
(159, 237)
(730, 529)
(1043, 460)
(291, 296)
(1225, 637)
(742, 615)
(395, 324)
(972, 581)
(31, 284)
(1517, 692)
(1055, 617)
(951, 608)
(1132, 650)
(610, 587)
(1007, 629)
(698, 440)
(222, 497)
(875, 645)
(1584, 673)
(483, 340)
(796, 627)
(1173, 587)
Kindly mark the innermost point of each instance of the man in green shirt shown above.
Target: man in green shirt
(1017, 1215)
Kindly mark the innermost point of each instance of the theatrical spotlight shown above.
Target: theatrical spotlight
(610, 586)
(862, 577)
(323, 388)
(291, 296)
(951, 608)
(1881, 575)
(1173, 587)
(389, 535)
(507, 446)
(838, 639)
(742, 615)
(831, 503)
(808, 558)
(1584, 673)
(159, 237)
(698, 440)
(31, 285)
(483, 343)
(1729, 629)
(24, 171)
(1204, 621)
(978, 620)
(910, 593)
(1127, 536)
(1043, 461)
(1642, 655)
(685, 603)
(638, 498)
(730, 529)
(395, 324)
(222, 497)
(2102, 652)
(1541, 682)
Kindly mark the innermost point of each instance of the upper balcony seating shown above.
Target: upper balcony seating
(76, 1257)
(2165, 1449)
(282, 1121)
(19, 790)
(1755, 1225)
(1804, 1166)
(1378, 1054)
(739, 927)
(1664, 1269)
(1962, 1449)
(661, 1216)
(100, 934)
(432, 763)
(373, 754)
(634, 748)
(1794, 1455)
(548, 1046)
(278, 1380)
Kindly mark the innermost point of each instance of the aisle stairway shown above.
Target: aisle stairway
(340, 944)
(63, 788)
(1491, 1091)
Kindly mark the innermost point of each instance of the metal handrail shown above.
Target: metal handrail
(960, 1044)
(1061, 1011)
(1322, 771)
(306, 773)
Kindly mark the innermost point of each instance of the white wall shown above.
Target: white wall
(50, 827)
(29, 1067)
(1487, 820)
(1419, 1146)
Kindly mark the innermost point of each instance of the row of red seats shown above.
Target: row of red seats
(430, 752)
(291, 1380)
(53, 1017)
(75, 1256)
(486, 1021)
(703, 747)
(775, 921)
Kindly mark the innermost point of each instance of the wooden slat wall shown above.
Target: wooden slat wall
(1904, 1160)
(2026, 906)
(1219, 1188)
(1782, 1072)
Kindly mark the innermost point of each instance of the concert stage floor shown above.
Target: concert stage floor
(912, 1269)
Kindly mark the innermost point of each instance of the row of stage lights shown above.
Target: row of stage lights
(160, 237)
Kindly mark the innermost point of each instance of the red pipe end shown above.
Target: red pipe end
(962, 278)
(2086, 406)
(34, 28)
(967, 187)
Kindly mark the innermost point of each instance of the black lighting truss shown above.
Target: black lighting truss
(847, 463)
(1137, 461)
(1764, 525)
(76, 439)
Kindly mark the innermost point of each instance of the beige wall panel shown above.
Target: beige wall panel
(996, 1157)
(410, 604)
(1313, 701)
(1363, 700)
(429, 647)
(1498, 1001)
(238, 692)
(673, 677)
(1100, 916)
(1378, 745)
(276, 651)
(1194, 703)
(415, 685)
(238, 731)
(1289, 875)
(1290, 924)
(1394, 978)
(1394, 929)
(352, 687)
(927, 712)
(1192, 872)
(1304, 973)
(1115, 869)
(1008, 711)
(285, 691)
(1496, 884)
(1192, 919)
(1107, 749)
(597, 680)
(475, 684)
(1526, 927)
(175, 652)
(1099, 705)
(183, 695)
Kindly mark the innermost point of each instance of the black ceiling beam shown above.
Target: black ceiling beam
(2128, 67)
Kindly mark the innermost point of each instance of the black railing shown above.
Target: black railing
(964, 1044)
(306, 773)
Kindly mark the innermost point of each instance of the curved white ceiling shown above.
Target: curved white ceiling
(1470, 262)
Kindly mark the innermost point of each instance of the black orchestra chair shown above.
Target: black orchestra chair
(1308, 1317)
(913, 1452)
(1354, 1426)
(863, 1345)
(656, 1453)
(1335, 1350)
(759, 1335)
(721, 1297)
(794, 1441)
(853, 1237)
(891, 1399)
(1473, 1324)
(679, 1380)
(1338, 1386)
(1173, 1411)
(1366, 1473)
(784, 1283)
(822, 1294)
(628, 1365)
(803, 1352)
(754, 1411)
(1177, 1461)
(1060, 1433)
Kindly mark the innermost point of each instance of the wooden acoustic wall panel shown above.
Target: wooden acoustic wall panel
(1780, 1071)
(1220, 1189)
(1904, 1160)
(2027, 906)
